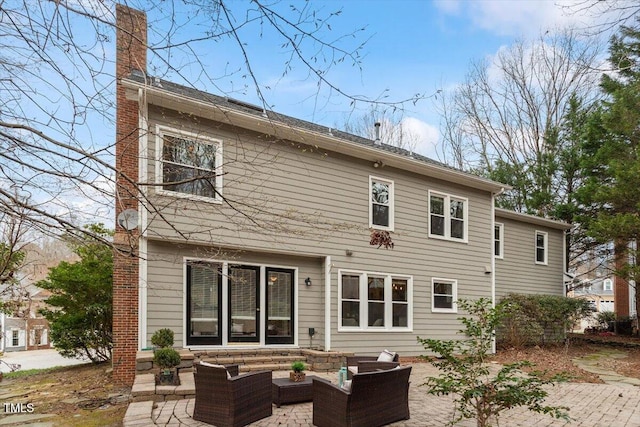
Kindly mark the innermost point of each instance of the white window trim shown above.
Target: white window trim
(388, 302)
(391, 203)
(162, 130)
(501, 228)
(454, 305)
(546, 247)
(607, 285)
(447, 217)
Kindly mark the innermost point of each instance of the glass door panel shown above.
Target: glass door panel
(280, 291)
(244, 303)
(204, 290)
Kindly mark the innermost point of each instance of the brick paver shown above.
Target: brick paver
(591, 405)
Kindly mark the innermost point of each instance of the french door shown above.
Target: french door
(279, 318)
(204, 303)
(249, 317)
(244, 304)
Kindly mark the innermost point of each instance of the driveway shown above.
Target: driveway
(37, 359)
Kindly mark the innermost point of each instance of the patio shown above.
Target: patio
(592, 405)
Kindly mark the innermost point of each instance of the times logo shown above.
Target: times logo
(18, 408)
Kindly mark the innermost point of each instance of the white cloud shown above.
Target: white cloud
(517, 18)
(423, 134)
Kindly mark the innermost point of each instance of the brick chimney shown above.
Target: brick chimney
(131, 53)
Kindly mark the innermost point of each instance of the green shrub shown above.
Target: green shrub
(465, 373)
(166, 358)
(539, 319)
(605, 320)
(298, 366)
(162, 338)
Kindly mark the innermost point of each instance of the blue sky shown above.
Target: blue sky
(412, 46)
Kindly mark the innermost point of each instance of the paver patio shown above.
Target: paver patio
(591, 405)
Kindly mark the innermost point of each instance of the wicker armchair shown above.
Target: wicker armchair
(360, 364)
(231, 402)
(375, 399)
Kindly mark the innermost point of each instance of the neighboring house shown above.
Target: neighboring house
(598, 291)
(29, 330)
(255, 231)
(600, 294)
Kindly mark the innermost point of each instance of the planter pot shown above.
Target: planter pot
(297, 376)
(167, 378)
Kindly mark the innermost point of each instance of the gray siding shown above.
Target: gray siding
(166, 286)
(518, 272)
(316, 204)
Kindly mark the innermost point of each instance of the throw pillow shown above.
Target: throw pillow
(213, 365)
(386, 356)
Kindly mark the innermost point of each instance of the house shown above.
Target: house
(256, 230)
(28, 330)
(599, 292)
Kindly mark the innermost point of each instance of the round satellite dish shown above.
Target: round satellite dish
(128, 219)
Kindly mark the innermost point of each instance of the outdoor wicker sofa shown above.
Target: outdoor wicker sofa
(231, 400)
(375, 399)
(360, 364)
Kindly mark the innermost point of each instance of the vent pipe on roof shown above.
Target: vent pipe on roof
(377, 126)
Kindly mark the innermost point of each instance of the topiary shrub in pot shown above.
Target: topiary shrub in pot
(162, 338)
(166, 359)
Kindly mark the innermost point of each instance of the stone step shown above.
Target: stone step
(265, 367)
(256, 360)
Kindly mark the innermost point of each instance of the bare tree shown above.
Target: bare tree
(14, 298)
(608, 14)
(508, 110)
(57, 83)
(391, 128)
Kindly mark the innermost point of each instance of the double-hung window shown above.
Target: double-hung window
(381, 210)
(607, 285)
(189, 165)
(448, 216)
(374, 301)
(541, 247)
(444, 295)
(498, 240)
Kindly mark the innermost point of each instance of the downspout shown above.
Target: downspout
(565, 266)
(143, 151)
(327, 303)
(493, 257)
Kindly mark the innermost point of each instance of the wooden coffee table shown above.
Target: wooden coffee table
(283, 390)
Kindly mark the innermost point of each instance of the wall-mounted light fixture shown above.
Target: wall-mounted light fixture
(307, 281)
(378, 164)
(349, 252)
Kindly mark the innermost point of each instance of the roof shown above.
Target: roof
(238, 113)
(531, 219)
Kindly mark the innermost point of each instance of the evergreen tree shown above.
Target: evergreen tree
(81, 317)
(611, 165)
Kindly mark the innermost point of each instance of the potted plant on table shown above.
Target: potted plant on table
(297, 371)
